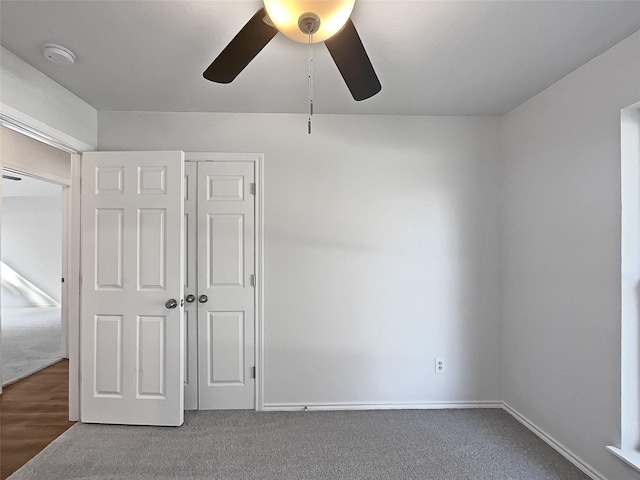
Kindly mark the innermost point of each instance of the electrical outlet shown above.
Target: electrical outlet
(440, 365)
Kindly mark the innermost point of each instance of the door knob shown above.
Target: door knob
(171, 303)
(190, 298)
(203, 299)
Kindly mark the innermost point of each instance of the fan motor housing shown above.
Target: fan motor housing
(288, 15)
(309, 23)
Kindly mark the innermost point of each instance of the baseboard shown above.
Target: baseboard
(297, 407)
(553, 443)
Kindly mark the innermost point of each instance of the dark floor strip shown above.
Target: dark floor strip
(33, 412)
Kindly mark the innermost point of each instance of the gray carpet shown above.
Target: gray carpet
(30, 341)
(399, 445)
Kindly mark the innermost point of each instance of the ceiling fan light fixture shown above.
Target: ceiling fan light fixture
(287, 16)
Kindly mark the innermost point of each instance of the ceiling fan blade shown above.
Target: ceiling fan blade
(241, 50)
(353, 62)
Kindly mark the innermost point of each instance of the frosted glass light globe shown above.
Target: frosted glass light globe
(285, 14)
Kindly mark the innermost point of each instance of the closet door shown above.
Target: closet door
(226, 267)
(132, 285)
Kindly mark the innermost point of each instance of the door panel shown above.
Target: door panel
(132, 245)
(152, 253)
(226, 253)
(109, 244)
(227, 342)
(109, 355)
(151, 355)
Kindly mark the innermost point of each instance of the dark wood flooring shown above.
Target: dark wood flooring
(33, 412)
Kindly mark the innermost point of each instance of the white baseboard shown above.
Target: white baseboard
(297, 407)
(553, 443)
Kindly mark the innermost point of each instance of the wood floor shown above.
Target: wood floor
(33, 412)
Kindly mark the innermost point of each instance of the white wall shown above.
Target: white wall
(32, 98)
(32, 240)
(561, 255)
(381, 248)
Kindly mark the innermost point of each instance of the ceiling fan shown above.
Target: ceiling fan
(305, 21)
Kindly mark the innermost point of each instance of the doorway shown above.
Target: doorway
(220, 284)
(38, 151)
(33, 333)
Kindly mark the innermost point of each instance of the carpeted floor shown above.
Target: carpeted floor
(482, 444)
(30, 341)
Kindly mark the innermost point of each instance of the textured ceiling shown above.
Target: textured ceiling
(432, 57)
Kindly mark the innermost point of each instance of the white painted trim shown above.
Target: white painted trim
(222, 157)
(64, 291)
(73, 289)
(553, 443)
(31, 127)
(630, 276)
(258, 160)
(630, 457)
(260, 283)
(294, 407)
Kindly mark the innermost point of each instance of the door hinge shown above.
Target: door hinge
(253, 189)
(253, 279)
(253, 372)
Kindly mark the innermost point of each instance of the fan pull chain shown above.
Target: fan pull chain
(310, 81)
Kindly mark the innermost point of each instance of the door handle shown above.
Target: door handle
(203, 299)
(190, 298)
(171, 303)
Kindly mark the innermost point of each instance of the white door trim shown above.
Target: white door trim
(34, 128)
(258, 160)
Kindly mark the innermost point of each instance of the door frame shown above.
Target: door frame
(258, 160)
(30, 127)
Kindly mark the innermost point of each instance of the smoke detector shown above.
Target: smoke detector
(59, 54)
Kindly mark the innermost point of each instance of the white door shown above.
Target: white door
(132, 286)
(226, 293)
